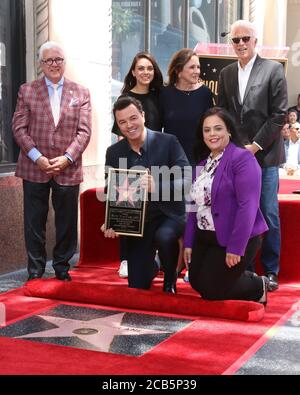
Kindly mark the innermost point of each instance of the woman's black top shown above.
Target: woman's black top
(181, 111)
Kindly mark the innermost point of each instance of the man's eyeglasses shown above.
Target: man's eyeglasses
(50, 61)
(236, 40)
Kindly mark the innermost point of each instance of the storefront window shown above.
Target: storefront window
(209, 18)
(203, 21)
(12, 73)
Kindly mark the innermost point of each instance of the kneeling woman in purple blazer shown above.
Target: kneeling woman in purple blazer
(225, 224)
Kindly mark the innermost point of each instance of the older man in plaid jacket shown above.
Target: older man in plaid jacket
(52, 126)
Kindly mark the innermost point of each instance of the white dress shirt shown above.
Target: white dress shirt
(292, 155)
(244, 74)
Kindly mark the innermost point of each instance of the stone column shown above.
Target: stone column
(269, 17)
(275, 18)
(41, 12)
(37, 33)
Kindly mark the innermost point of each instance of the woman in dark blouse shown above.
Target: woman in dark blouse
(184, 99)
(143, 82)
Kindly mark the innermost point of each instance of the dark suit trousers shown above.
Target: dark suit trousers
(36, 207)
(162, 234)
(213, 279)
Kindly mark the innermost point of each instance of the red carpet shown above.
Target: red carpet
(95, 250)
(287, 186)
(208, 345)
(121, 296)
(289, 205)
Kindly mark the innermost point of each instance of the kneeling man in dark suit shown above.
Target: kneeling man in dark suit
(165, 214)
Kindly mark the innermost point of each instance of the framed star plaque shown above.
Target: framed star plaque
(125, 202)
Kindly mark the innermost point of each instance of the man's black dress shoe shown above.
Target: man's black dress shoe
(33, 276)
(273, 282)
(63, 276)
(170, 287)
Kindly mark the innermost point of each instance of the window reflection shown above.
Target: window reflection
(166, 30)
(201, 21)
(127, 35)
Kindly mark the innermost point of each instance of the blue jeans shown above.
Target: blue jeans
(270, 250)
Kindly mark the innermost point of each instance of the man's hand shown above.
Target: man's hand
(44, 165)
(109, 233)
(232, 259)
(58, 164)
(253, 148)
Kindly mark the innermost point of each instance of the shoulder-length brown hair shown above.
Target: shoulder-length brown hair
(178, 61)
(130, 80)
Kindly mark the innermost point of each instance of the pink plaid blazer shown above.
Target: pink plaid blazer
(33, 126)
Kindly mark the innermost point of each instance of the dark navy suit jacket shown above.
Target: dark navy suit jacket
(164, 152)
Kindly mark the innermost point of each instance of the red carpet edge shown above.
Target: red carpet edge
(121, 296)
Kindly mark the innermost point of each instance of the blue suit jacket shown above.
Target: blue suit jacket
(163, 150)
(235, 200)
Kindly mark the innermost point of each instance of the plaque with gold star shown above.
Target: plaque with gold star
(125, 202)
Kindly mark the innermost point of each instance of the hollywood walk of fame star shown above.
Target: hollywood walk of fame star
(126, 192)
(99, 332)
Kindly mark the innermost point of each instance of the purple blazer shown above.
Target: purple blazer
(235, 200)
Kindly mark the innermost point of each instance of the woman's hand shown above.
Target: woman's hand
(109, 233)
(232, 259)
(187, 256)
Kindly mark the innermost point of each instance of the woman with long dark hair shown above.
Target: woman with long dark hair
(143, 82)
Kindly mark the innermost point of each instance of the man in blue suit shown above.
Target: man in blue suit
(254, 91)
(165, 215)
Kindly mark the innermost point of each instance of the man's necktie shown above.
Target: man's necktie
(55, 104)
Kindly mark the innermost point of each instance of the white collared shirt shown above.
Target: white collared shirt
(244, 74)
(292, 154)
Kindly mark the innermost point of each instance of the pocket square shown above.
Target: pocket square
(74, 102)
